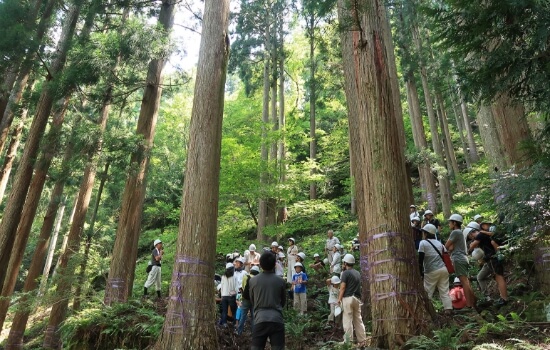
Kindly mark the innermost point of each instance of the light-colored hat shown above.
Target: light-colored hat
(228, 265)
(274, 244)
(478, 254)
(298, 265)
(415, 218)
(157, 241)
(455, 217)
(255, 268)
(457, 280)
(477, 216)
(326, 261)
(302, 255)
(252, 248)
(474, 225)
(335, 280)
(412, 206)
(292, 239)
(281, 255)
(242, 260)
(428, 212)
(315, 255)
(337, 246)
(281, 247)
(430, 229)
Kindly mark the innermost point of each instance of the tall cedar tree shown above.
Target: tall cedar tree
(123, 262)
(400, 307)
(189, 322)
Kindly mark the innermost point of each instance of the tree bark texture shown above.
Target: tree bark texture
(490, 139)
(400, 308)
(451, 159)
(312, 103)
(12, 212)
(189, 322)
(281, 152)
(474, 155)
(123, 263)
(460, 126)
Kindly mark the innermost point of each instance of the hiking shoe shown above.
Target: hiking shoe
(501, 302)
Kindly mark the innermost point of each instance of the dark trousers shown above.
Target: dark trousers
(228, 302)
(272, 330)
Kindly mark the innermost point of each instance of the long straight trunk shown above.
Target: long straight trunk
(123, 263)
(490, 139)
(89, 236)
(312, 103)
(460, 126)
(377, 152)
(272, 202)
(474, 155)
(281, 156)
(449, 143)
(428, 185)
(12, 212)
(11, 153)
(189, 322)
(444, 184)
(23, 74)
(30, 208)
(264, 152)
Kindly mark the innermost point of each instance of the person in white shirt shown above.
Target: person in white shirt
(336, 265)
(291, 252)
(239, 270)
(413, 212)
(329, 246)
(229, 289)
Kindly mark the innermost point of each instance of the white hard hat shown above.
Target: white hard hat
(292, 239)
(477, 216)
(455, 217)
(412, 206)
(430, 229)
(281, 247)
(415, 218)
(252, 248)
(242, 260)
(315, 255)
(467, 231)
(325, 261)
(478, 254)
(474, 225)
(228, 265)
(157, 241)
(302, 255)
(255, 268)
(274, 244)
(457, 280)
(335, 280)
(337, 246)
(298, 264)
(348, 258)
(428, 212)
(281, 255)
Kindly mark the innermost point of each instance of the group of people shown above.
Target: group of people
(256, 283)
(475, 240)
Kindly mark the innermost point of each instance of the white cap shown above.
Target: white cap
(242, 260)
(348, 258)
(292, 239)
(430, 229)
(252, 248)
(428, 212)
(337, 246)
(474, 225)
(315, 255)
(274, 244)
(477, 216)
(281, 247)
(302, 255)
(255, 268)
(455, 217)
(281, 255)
(228, 266)
(326, 261)
(298, 264)
(335, 280)
(415, 218)
(412, 206)
(157, 241)
(457, 280)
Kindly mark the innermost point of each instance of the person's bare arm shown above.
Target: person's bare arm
(449, 245)
(342, 290)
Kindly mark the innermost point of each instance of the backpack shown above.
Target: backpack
(246, 290)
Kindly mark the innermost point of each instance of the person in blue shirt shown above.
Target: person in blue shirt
(299, 282)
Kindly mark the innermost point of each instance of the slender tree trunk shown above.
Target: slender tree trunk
(12, 212)
(30, 208)
(11, 153)
(272, 202)
(264, 177)
(9, 110)
(189, 322)
(281, 156)
(460, 126)
(444, 184)
(377, 152)
(490, 139)
(312, 104)
(66, 237)
(474, 155)
(123, 263)
(89, 237)
(424, 167)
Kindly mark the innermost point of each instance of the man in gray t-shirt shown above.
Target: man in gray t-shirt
(349, 300)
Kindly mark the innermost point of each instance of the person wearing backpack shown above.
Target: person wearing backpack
(246, 304)
(457, 295)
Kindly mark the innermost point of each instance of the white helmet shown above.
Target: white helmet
(455, 217)
(281, 247)
(325, 261)
(337, 246)
(428, 212)
(474, 225)
(457, 280)
(228, 266)
(430, 229)
(281, 255)
(298, 265)
(415, 218)
(477, 217)
(255, 268)
(335, 280)
(467, 231)
(157, 241)
(349, 259)
(412, 206)
(242, 260)
(478, 254)
(274, 244)
(302, 255)
(315, 255)
(252, 248)
(292, 239)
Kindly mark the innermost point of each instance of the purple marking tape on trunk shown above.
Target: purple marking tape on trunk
(190, 260)
(185, 274)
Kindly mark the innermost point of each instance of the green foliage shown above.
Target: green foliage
(133, 325)
(444, 339)
(16, 36)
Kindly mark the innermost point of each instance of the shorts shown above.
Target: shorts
(496, 266)
(461, 267)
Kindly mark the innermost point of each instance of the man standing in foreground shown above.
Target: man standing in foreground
(154, 274)
(268, 297)
(349, 300)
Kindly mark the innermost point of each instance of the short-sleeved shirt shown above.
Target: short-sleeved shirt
(333, 293)
(154, 254)
(336, 262)
(432, 260)
(485, 245)
(299, 288)
(268, 295)
(352, 279)
(459, 252)
(331, 242)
